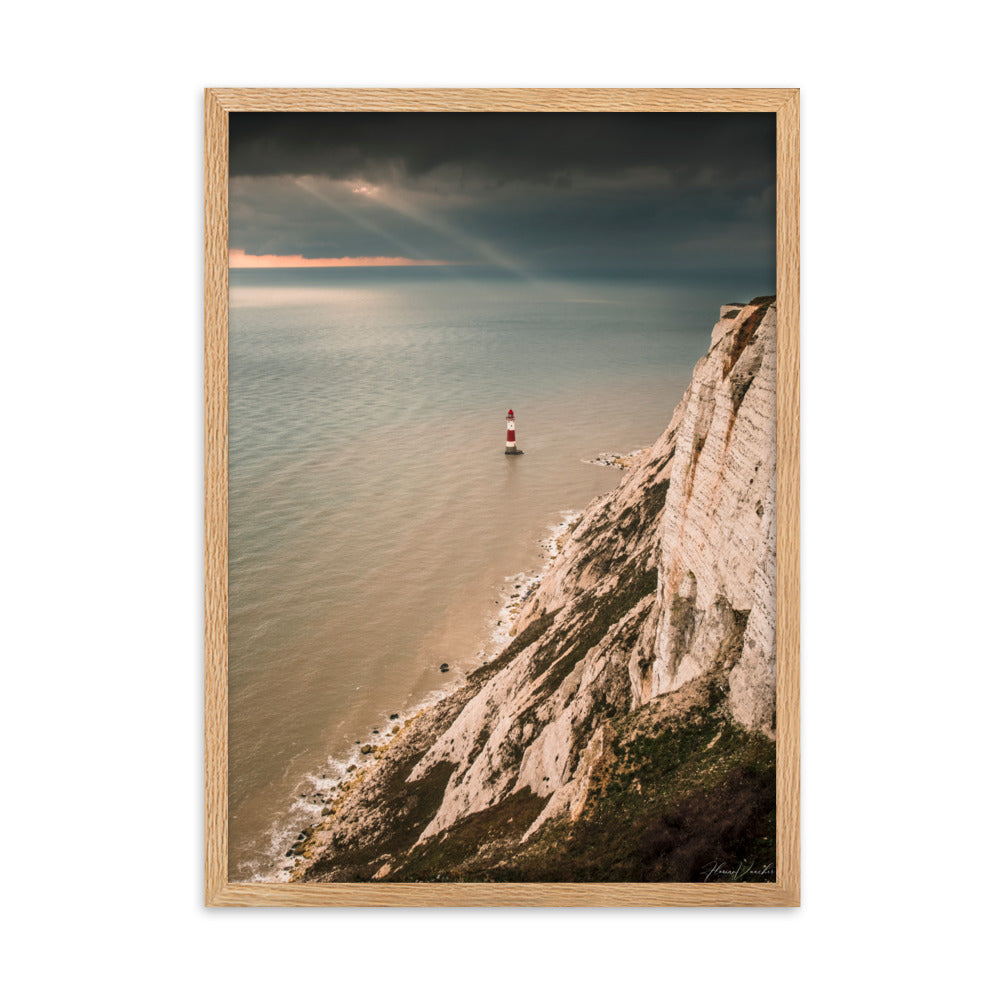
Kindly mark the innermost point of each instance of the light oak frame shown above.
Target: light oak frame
(784, 103)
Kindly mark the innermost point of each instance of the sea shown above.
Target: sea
(376, 526)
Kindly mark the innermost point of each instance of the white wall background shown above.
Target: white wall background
(101, 410)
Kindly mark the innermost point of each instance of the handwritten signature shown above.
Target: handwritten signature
(737, 874)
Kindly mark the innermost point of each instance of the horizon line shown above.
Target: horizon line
(241, 260)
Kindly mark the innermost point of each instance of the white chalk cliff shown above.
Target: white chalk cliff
(668, 579)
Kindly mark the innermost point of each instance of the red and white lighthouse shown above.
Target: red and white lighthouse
(511, 444)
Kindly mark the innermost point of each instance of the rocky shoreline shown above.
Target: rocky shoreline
(611, 459)
(361, 766)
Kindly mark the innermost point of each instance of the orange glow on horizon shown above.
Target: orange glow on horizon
(242, 259)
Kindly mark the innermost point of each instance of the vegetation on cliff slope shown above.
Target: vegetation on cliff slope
(683, 794)
(686, 795)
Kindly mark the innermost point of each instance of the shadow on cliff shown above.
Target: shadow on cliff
(712, 833)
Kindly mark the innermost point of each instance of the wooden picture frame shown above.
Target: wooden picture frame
(219, 103)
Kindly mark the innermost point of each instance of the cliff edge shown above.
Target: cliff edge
(627, 732)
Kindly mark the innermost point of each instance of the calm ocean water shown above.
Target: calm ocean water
(373, 515)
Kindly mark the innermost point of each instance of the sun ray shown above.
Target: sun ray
(308, 184)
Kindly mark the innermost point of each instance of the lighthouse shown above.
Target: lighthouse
(511, 444)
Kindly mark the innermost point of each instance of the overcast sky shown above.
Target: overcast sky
(676, 195)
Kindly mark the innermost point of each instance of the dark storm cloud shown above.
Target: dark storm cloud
(685, 193)
(505, 146)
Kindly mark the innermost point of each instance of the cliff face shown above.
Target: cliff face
(716, 594)
(639, 690)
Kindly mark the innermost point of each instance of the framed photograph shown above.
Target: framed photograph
(501, 497)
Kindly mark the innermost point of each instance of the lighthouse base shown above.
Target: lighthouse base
(513, 451)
